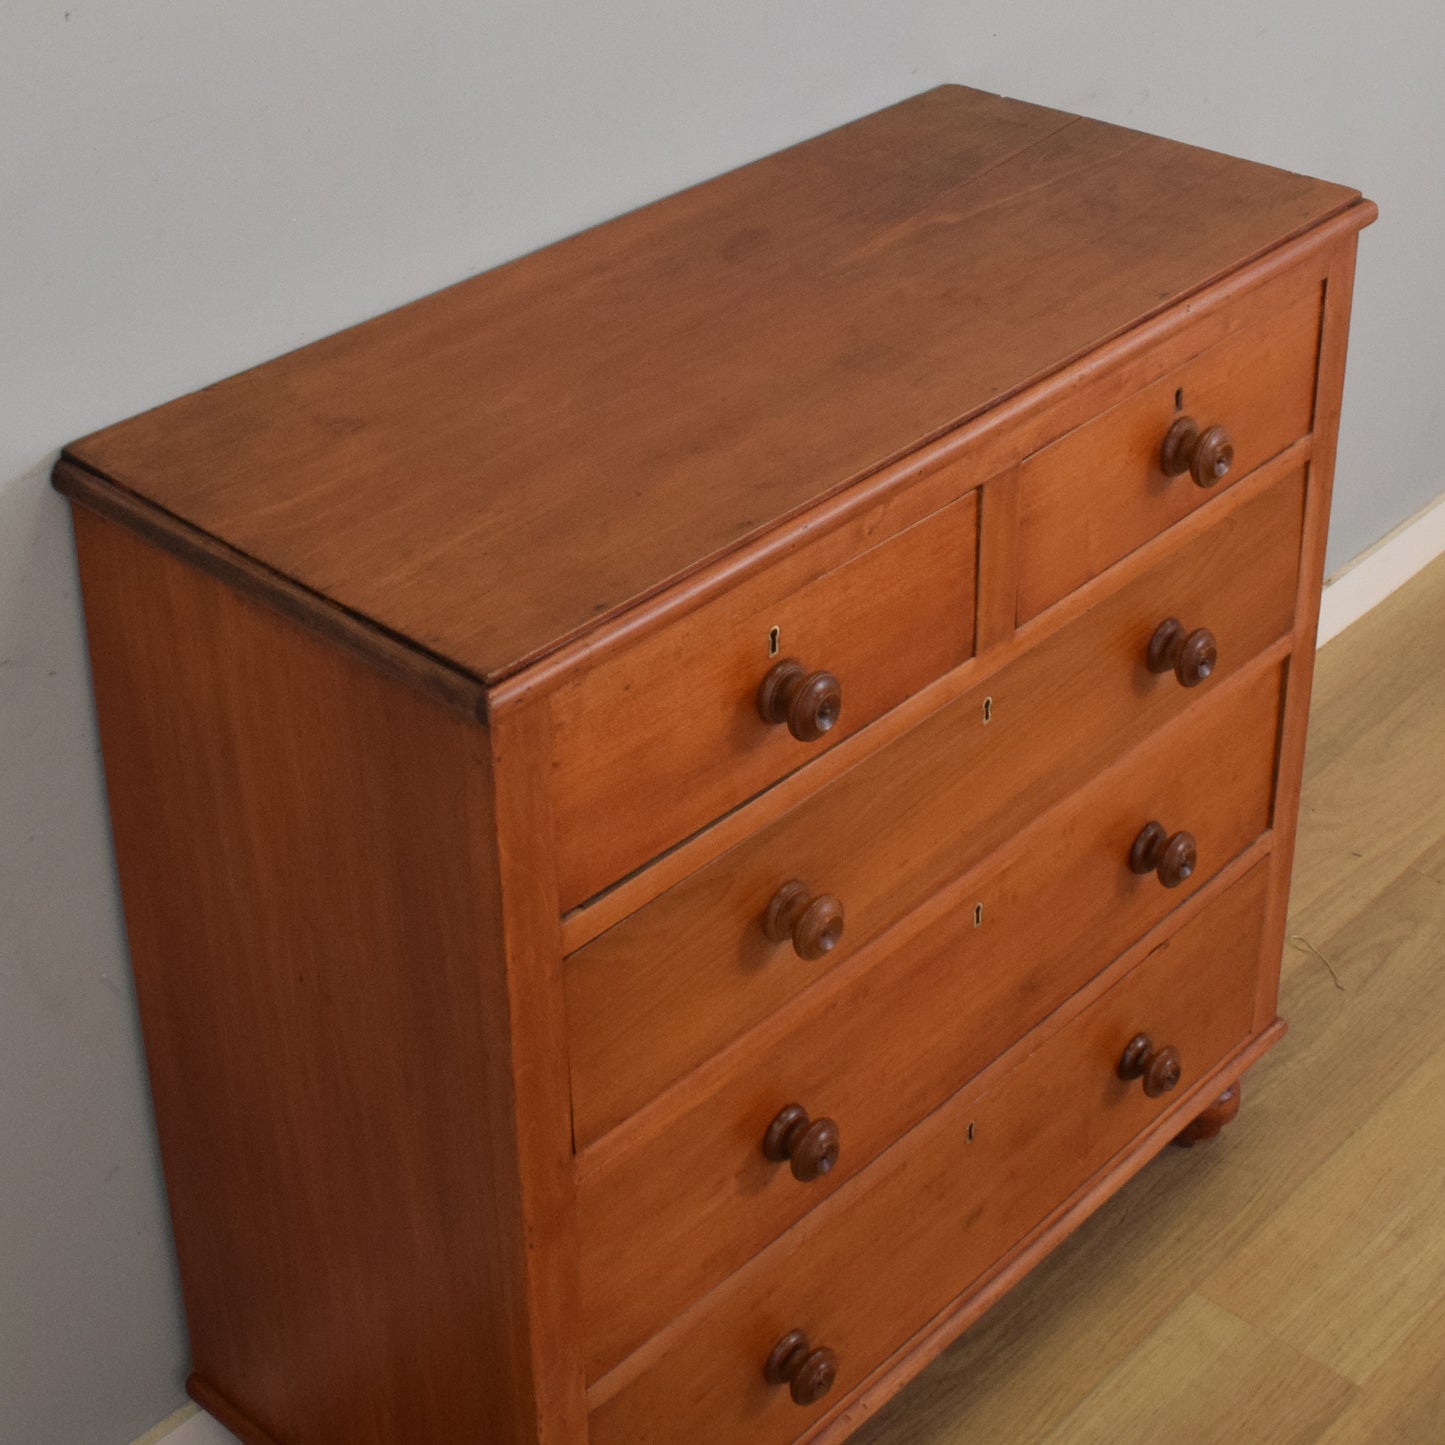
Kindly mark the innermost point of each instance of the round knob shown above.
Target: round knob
(812, 1145)
(1161, 1069)
(1192, 655)
(808, 1373)
(1155, 851)
(814, 925)
(1206, 455)
(809, 702)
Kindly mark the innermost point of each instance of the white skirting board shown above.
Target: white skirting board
(1380, 570)
(1348, 595)
(196, 1429)
(203, 1430)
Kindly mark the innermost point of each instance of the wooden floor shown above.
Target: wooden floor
(1285, 1283)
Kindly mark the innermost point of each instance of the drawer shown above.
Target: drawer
(1100, 492)
(663, 737)
(665, 988)
(902, 1240)
(886, 1041)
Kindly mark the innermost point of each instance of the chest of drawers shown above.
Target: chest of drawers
(687, 807)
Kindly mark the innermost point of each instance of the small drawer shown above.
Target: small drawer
(871, 1052)
(1101, 491)
(668, 986)
(657, 741)
(901, 1241)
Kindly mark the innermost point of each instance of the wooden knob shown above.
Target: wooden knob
(811, 1145)
(814, 925)
(808, 1373)
(809, 702)
(1155, 851)
(1192, 655)
(1206, 455)
(1161, 1069)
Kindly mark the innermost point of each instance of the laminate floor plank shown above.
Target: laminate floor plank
(1367, 815)
(1387, 655)
(1345, 1267)
(1169, 1388)
(1404, 1400)
(1336, 1159)
(1029, 1362)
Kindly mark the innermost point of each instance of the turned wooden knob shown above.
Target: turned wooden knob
(814, 925)
(1161, 1069)
(808, 1373)
(1192, 655)
(812, 1146)
(1155, 851)
(1206, 455)
(809, 702)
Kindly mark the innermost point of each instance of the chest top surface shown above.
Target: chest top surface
(498, 467)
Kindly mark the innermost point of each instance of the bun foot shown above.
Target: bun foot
(1206, 1125)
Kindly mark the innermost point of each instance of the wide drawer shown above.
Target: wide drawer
(886, 1040)
(1101, 491)
(665, 988)
(906, 1237)
(661, 738)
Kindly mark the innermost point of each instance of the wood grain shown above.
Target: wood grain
(883, 1042)
(585, 923)
(1039, 1135)
(1361, 678)
(1344, 857)
(998, 560)
(503, 465)
(1156, 1392)
(1096, 494)
(1359, 1245)
(1329, 1119)
(988, 444)
(1405, 1398)
(394, 656)
(537, 1176)
(316, 929)
(659, 740)
(914, 815)
(1013, 1266)
(1334, 334)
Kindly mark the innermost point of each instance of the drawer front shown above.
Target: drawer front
(906, 1237)
(659, 740)
(664, 989)
(885, 1042)
(1100, 492)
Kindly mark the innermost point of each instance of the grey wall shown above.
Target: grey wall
(192, 186)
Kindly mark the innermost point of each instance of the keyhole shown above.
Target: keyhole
(1179, 399)
(774, 638)
(977, 914)
(988, 709)
(971, 1128)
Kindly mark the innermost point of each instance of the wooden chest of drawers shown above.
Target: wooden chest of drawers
(689, 806)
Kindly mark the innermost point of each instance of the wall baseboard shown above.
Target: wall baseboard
(189, 1426)
(1379, 570)
(203, 1429)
